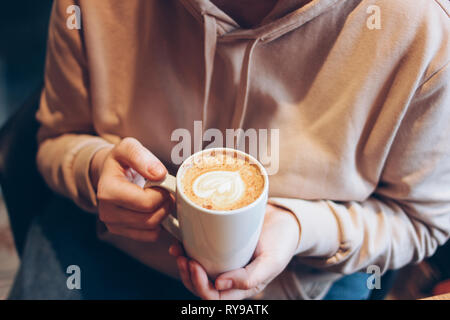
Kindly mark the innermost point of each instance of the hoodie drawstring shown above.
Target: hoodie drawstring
(210, 32)
(240, 107)
(217, 22)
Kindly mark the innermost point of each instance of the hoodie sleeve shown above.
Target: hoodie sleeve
(66, 136)
(408, 215)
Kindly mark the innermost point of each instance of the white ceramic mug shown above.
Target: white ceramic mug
(219, 240)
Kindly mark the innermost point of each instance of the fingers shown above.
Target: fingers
(202, 286)
(113, 215)
(133, 154)
(245, 282)
(257, 274)
(194, 277)
(234, 285)
(117, 189)
(185, 276)
(126, 208)
(115, 186)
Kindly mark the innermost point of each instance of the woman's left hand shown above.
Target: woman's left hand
(276, 246)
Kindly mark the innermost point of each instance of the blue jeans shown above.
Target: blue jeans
(351, 287)
(65, 235)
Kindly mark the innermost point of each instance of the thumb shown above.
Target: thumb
(259, 271)
(133, 154)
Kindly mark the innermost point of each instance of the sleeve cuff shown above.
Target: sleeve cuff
(87, 197)
(319, 235)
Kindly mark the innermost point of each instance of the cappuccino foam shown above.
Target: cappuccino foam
(222, 182)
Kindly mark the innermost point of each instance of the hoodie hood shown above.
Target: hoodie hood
(286, 16)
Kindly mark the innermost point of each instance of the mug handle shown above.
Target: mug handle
(170, 223)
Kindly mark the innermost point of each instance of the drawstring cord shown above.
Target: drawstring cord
(240, 107)
(210, 31)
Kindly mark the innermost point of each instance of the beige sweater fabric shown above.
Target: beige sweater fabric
(363, 113)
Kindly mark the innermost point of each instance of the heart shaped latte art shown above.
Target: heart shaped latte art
(221, 187)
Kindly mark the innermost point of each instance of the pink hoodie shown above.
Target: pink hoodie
(358, 89)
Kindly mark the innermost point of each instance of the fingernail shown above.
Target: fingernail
(224, 284)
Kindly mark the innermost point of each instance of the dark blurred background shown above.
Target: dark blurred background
(23, 34)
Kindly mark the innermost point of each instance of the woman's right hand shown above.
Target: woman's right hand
(125, 208)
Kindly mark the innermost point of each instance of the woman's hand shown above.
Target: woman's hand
(277, 244)
(125, 208)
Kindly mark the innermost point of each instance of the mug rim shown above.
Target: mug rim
(261, 168)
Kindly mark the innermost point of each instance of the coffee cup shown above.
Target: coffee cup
(219, 215)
